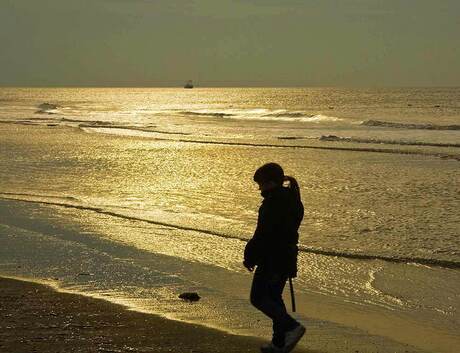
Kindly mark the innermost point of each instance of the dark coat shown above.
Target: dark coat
(273, 246)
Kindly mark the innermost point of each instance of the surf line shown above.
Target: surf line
(350, 149)
(114, 214)
(407, 260)
(302, 248)
(331, 148)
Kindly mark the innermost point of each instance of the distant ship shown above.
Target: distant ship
(189, 84)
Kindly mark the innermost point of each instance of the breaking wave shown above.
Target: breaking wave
(71, 202)
(302, 116)
(380, 123)
(264, 114)
(47, 108)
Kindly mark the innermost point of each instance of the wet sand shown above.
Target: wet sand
(35, 318)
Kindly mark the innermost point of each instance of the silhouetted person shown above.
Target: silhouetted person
(273, 250)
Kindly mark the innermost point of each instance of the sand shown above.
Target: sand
(35, 318)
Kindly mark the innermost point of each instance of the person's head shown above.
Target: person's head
(269, 176)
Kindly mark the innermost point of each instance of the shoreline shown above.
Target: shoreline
(37, 240)
(37, 318)
(330, 326)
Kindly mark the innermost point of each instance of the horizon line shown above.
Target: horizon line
(230, 86)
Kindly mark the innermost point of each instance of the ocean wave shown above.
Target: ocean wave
(104, 126)
(385, 142)
(47, 105)
(62, 202)
(89, 122)
(302, 116)
(151, 129)
(397, 259)
(330, 148)
(380, 123)
(39, 119)
(289, 114)
(207, 114)
(294, 138)
(49, 112)
(88, 125)
(19, 122)
(266, 145)
(47, 108)
(68, 202)
(264, 114)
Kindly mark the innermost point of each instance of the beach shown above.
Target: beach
(98, 202)
(153, 151)
(37, 319)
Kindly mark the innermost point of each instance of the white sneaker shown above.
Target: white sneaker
(271, 348)
(292, 337)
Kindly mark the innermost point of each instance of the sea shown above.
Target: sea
(135, 195)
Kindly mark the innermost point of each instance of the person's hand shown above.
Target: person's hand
(249, 267)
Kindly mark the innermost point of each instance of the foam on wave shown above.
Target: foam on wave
(302, 116)
(264, 114)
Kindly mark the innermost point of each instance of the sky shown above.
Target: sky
(230, 42)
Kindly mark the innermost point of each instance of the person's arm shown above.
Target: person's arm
(252, 249)
(264, 236)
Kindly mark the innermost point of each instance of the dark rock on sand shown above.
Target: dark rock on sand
(190, 296)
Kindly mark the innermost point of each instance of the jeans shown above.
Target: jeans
(266, 296)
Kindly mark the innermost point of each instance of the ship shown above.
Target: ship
(189, 84)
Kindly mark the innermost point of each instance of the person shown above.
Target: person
(272, 252)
